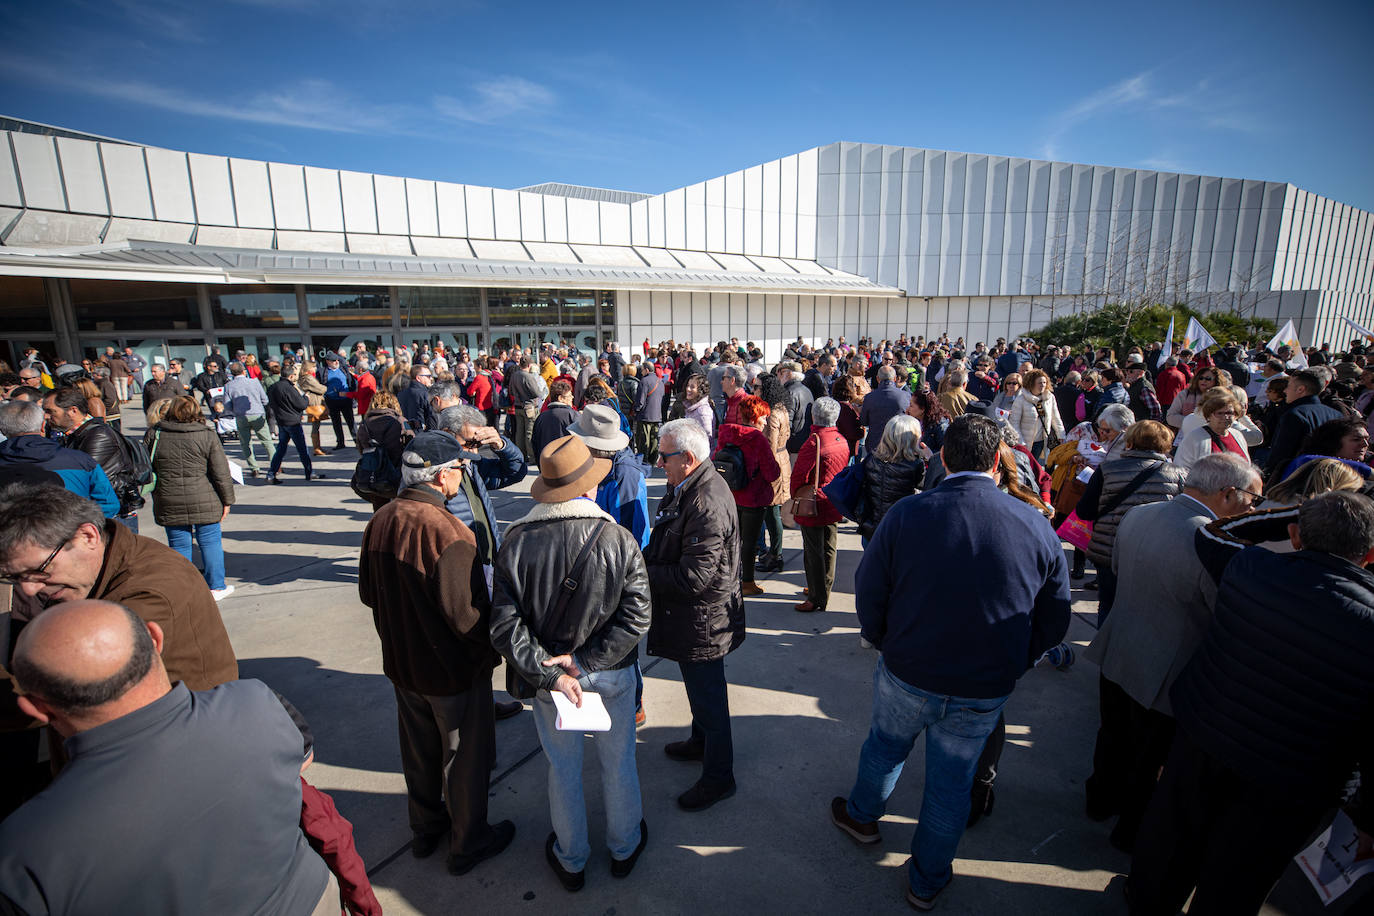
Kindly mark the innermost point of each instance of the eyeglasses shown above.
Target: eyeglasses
(664, 456)
(35, 575)
(1255, 498)
(1206, 378)
(424, 375)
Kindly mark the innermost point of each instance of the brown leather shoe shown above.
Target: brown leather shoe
(806, 607)
(319, 452)
(750, 589)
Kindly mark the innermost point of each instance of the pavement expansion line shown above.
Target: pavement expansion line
(376, 869)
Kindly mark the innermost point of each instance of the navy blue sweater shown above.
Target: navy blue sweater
(968, 611)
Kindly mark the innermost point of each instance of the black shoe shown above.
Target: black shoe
(1091, 585)
(705, 794)
(501, 835)
(273, 478)
(1077, 574)
(859, 832)
(571, 881)
(685, 750)
(315, 476)
(507, 710)
(621, 868)
(422, 845)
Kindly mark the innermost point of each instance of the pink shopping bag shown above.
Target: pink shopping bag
(1076, 531)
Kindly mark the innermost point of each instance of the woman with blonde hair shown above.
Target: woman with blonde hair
(1035, 415)
(315, 410)
(894, 471)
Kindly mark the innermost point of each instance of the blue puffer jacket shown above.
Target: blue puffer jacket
(78, 471)
(495, 473)
(1282, 689)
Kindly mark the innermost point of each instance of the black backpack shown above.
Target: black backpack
(376, 476)
(729, 460)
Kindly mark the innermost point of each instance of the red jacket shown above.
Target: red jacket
(481, 390)
(331, 835)
(758, 458)
(1168, 384)
(732, 406)
(834, 457)
(367, 388)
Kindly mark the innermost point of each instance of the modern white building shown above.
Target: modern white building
(103, 241)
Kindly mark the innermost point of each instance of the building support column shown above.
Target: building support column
(207, 316)
(59, 296)
(484, 341)
(395, 293)
(303, 318)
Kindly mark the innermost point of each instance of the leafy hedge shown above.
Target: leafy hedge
(1121, 327)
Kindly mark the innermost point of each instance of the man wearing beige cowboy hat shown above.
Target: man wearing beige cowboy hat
(570, 604)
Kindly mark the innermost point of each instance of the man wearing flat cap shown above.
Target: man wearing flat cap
(419, 574)
(570, 604)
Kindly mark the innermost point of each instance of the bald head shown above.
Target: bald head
(88, 662)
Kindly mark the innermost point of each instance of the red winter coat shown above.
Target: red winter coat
(366, 390)
(331, 835)
(481, 390)
(834, 457)
(758, 458)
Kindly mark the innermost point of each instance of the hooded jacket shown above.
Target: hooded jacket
(193, 482)
(79, 472)
(605, 617)
(758, 460)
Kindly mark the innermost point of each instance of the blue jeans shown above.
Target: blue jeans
(211, 549)
(296, 436)
(956, 729)
(619, 775)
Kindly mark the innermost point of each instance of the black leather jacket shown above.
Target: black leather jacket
(606, 616)
(97, 439)
(694, 566)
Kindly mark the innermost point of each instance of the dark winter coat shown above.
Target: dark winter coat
(694, 567)
(1282, 690)
(1110, 479)
(886, 482)
(286, 402)
(193, 482)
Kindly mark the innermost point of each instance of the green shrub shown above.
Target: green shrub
(1121, 326)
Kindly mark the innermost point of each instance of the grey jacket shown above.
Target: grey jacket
(246, 396)
(1163, 603)
(1165, 483)
(606, 616)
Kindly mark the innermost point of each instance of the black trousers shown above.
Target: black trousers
(1106, 787)
(447, 745)
(1106, 592)
(1209, 828)
(818, 556)
(709, 697)
(341, 411)
(750, 526)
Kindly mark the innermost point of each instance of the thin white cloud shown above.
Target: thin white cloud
(494, 99)
(165, 20)
(1201, 106)
(313, 104)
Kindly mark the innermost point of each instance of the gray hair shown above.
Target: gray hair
(887, 374)
(1117, 416)
(411, 476)
(688, 434)
(1339, 522)
(901, 439)
(44, 515)
(20, 418)
(958, 378)
(452, 419)
(1072, 377)
(736, 372)
(236, 368)
(445, 391)
(825, 411)
(1214, 473)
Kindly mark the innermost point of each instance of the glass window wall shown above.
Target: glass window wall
(23, 306)
(330, 307)
(254, 306)
(435, 306)
(540, 307)
(132, 305)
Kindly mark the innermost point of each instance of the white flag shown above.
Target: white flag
(1196, 337)
(1168, 349)
(1288, 337)
(1359, 328)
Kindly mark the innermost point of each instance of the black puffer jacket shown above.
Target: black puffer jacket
(694, 569)
(605, 618)
(1282, 689)
(885, 482)
(193, 482)
(286, 403)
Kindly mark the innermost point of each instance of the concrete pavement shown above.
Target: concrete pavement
(800, 701)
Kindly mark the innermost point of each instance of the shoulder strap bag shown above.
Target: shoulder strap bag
(804, 500)
(517, 686)
(1134, 484)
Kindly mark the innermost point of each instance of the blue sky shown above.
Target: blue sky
(649, 97)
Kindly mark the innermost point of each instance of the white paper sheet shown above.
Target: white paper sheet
(591, 717)
(236, 472)
(1330, 864)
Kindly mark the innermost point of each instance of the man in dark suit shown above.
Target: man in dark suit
(1305, 413)
(950, 656)
(882, 404)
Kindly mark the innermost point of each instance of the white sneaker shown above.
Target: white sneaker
(220, 594)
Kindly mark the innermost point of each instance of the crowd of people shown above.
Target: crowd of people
(1223, 500)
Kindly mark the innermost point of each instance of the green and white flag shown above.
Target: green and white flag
(1196, 337)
